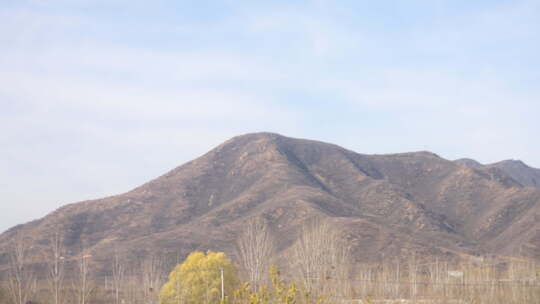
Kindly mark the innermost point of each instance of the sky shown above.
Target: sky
(98, 97)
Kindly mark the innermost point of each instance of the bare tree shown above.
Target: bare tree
(321, 258)
(82, 284)
(152, 277)
(56, 268)
(21, 279)
(132, 290)
(3, 295)
(413, 276)
(118, 272)
(256, 246)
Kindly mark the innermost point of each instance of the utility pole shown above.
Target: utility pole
(222, 287)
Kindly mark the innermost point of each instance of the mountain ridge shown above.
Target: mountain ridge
(524, 174)
(391, 204)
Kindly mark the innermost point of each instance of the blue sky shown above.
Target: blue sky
(98, 97)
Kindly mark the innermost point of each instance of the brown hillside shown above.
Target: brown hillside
(387, 204)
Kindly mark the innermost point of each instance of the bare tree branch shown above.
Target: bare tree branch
(83, 285)
(320, 258)
(152, 277)
(255, 248)
(21, 279)
(56, 268)
(118, 272)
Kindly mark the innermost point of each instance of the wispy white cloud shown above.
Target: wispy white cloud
(94, 105)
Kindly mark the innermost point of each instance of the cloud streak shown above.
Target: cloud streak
(99, 97)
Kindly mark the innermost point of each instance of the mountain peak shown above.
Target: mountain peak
(520, 171)
(250, 138)
(469, 162)
(394, 199)
(513, 162)
(257, 136)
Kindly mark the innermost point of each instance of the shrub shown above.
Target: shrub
(279, 292)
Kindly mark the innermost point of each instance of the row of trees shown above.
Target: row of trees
(411, 281)
(316, 255)
(316, 269)
(62, 280)
(436, 281)
(320, 270)
(212, 278)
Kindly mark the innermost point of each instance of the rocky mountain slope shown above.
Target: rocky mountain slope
(525, 175)
(387, 205)
(516, 169)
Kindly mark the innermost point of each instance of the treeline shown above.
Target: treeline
(318, 268)
(57, 280)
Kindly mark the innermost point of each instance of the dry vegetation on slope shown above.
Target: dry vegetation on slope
(388, 205)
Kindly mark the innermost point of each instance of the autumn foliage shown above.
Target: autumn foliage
(198, 279)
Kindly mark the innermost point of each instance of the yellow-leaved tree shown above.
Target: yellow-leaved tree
(198, 279)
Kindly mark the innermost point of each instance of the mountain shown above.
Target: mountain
(522, 173)
(516, 169)
(395, 204)
(469, 163)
